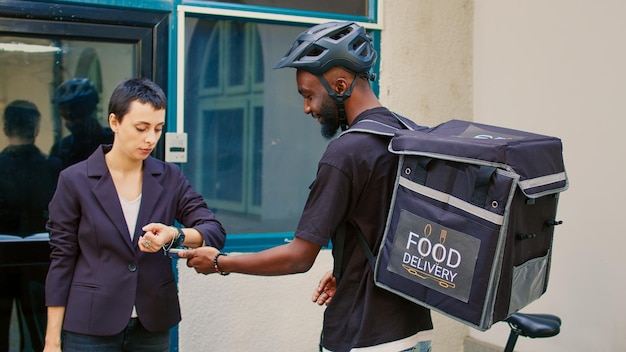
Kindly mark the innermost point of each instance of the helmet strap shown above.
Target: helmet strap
(339, 99)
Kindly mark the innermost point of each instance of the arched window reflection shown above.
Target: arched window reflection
(252, 151)
(225, 119)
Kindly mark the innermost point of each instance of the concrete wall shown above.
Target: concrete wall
(250, 313)
(426, 74)
(557, 68)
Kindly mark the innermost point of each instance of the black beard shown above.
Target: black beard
(330, 118)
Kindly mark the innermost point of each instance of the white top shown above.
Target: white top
(131, 212)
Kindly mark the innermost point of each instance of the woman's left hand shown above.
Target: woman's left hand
(156, 236)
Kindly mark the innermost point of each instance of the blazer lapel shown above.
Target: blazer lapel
(105, 193)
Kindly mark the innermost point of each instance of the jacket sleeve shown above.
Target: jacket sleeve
(192, 211)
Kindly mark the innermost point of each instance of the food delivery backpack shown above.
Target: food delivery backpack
(470, 226)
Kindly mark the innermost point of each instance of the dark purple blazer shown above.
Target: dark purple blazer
(96, 271)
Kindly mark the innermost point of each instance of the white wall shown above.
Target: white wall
(426, 59)
(552, 67)
(250, 313)
(558, 68)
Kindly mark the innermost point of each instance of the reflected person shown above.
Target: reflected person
(27, 182)
(111, 282)
(77, 100)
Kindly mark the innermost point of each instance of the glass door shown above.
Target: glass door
(56, 77)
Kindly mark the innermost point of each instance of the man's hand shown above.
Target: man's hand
(201, 259)
(326, 289)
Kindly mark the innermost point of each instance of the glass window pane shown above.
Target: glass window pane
(257, 166)
(264, 149)
(224, 149)
(211, 78)
(31, 69)
(237, 45)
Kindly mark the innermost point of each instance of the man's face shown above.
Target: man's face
(318, 103)
(76, 120)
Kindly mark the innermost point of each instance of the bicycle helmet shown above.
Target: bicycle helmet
(76, 91)
(331, 44)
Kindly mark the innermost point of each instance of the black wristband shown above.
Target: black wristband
(217, 268)
(180, 239)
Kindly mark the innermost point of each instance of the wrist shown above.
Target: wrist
(54, 341)
(177, 239)
(175, 233)
(216, 265)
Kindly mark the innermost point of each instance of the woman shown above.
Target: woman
(110, 286)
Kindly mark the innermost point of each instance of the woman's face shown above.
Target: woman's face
(139, 131)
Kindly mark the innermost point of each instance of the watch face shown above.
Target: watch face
(181, 237)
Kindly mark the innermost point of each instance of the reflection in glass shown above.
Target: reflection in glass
(27, 176)
(30, 70)
(34, 75)
(224, 152)
(252, 152)
(77, 101)
(27, 182)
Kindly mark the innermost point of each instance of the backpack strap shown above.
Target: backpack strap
(368, 252)
(481, 186)
(381, 128)
(338, 246)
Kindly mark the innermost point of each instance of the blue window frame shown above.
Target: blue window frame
(346, 7)
(252, 152)
(361, 10)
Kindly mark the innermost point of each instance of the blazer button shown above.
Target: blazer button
(132, 267)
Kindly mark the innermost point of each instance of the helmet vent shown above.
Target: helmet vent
(341, 33)
(314, 51)
(359, 47)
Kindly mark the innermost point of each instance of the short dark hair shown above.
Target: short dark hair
(142, 90)
(21, 118)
